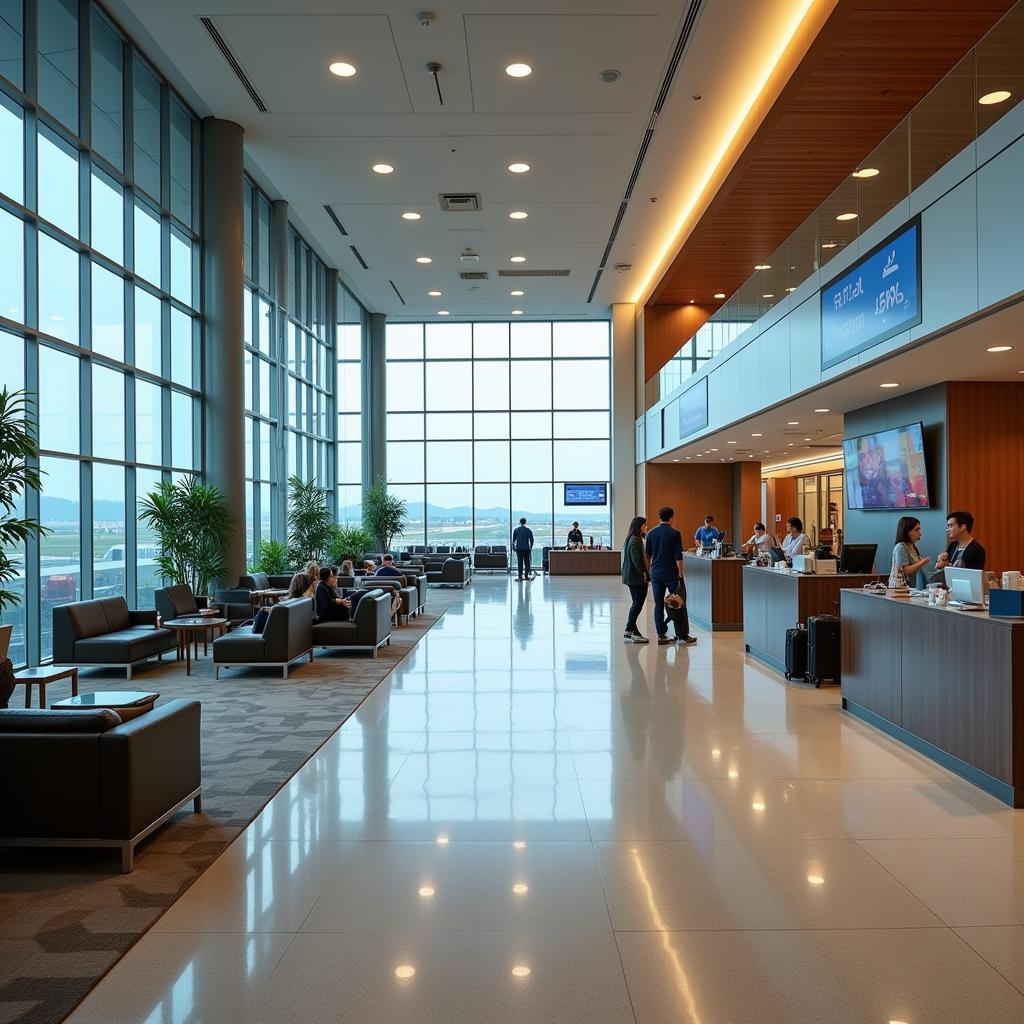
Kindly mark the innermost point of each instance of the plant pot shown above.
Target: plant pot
(5, 640)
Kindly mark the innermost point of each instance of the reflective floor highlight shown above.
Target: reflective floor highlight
(532, 821)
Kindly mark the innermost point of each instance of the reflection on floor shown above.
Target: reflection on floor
(531, 821)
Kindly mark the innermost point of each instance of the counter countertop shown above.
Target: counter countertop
(922, 603)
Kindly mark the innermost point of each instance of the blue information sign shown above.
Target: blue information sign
(693, 408)
(876, 298)
(586, 494)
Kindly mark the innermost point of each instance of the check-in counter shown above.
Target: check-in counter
(584, 563)
(775, 601)
(947, 682)
(714, 591)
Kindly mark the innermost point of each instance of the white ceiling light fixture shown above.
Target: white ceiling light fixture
(517, 312)
(342, 69)
(383, 168)
(992, 98)
(518, 168)
(424, 259)
(757, 435)
(846, 216)
(822, 410)
(518, 70)
(719, 295)
(866, 172)
(411, 215)
(889, 384)
(517, 259)
(763, 266)
(792, 423)
(517, 292)
(999, 348)
(518, 215)
(732, 442)
(434, 294)
(768, 295)
(443, 312)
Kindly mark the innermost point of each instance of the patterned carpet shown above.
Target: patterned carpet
(67, 916)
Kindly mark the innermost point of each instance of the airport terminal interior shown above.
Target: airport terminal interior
(509, 512)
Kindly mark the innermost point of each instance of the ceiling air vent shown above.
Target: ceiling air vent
(236, 67)
(533, 273)
(473, 275)
(459, 202)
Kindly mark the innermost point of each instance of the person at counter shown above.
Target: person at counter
(796, 542)
(760, 541)
(575, 537)
(964, 551)
(708, 535)
(905, 553)
(664, 548)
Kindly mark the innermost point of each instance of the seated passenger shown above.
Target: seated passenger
(329, 606)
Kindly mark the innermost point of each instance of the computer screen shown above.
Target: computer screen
(966, 585)
(857, 558)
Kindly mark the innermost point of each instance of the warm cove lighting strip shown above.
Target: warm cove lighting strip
(776, 52)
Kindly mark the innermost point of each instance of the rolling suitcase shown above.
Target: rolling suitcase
(796, 653)
(823, 648)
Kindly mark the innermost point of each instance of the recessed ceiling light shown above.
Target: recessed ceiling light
(520, 971)
(757, 435)
(519, 845)
(789, 445)
(889, 384)
(719, 295)
(435, 294)
(991, 98)
(517, 292)
(757, 805)
(763, 266)
(700, 455)
(383, 169)
(732, 442)
(443, 312)
(791, 289)
(404, 971)
(518, 215)
(426, 890)
(675, 460)
(442, 840)
(518, 168)
(829, 245)
(424, 259)
(517, 312)
(999, 348)
(866, 172)
(807, 439)
(792, 423)
(768, 295)
(815, 879)
(846, 216)
(822, 410)
(342, 69)
(518, 70)
(520, 888)
(411, 215)
(714, 449)
(517, 259)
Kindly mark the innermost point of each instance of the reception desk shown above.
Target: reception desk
(948, 683)
(584, 563)
(714, 591)
(776, 601)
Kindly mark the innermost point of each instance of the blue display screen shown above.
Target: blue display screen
(693, 408)
(586, 494)
(876, 298)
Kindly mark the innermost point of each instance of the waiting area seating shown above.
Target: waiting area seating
(490, 557)
(368, 629)
(87, 778)
(106, 633)
(286, 637)
(452, 572)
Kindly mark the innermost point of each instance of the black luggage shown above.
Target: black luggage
(796, 653)
(823, 648)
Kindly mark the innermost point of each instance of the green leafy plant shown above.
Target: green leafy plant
(384, 515)
(272, 558)
(309, 520)
(192, 526)
(17, 446)
(350, 542)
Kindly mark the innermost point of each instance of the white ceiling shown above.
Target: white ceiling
(959, 354)
(580, 135)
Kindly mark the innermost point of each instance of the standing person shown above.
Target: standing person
(707, 535)
(664, 547)
(575, 538)
(635, 576)
(963, 551)
(796, 542)
(522, 544)
(905, 553)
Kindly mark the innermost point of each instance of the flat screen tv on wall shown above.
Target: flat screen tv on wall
(586, 494)
(886, 470)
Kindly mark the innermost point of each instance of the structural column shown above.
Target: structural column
(624, 504)
(375, 401)
(223, 345)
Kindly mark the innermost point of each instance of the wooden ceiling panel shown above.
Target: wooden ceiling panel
(873, 61)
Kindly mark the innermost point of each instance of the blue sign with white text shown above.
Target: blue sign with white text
(876, 298)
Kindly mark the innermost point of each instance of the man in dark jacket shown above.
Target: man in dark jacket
(522, 544)
(665, 552)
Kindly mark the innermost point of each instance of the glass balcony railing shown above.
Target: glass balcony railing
(983, 87)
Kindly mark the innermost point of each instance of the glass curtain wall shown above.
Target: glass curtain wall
(487, 421)
(289, 376)
(351, 328)
(98, 292)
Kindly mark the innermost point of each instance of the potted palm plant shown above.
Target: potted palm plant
(383, 515)
(192, 525)
(17, 448)
(310, 523)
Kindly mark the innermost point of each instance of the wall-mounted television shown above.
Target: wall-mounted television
(886, 469)
(586, 494)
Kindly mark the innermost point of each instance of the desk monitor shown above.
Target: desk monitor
(966, 585)
(778, 555)
(858, 558)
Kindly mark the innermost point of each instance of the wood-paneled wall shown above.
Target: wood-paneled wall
(781, 502)
(694, 492)
(665, 330)
(985, 465)
(746, 503)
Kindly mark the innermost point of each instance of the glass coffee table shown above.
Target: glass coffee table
(128, 704)
(188, 630)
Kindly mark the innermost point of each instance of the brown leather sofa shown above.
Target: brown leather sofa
(105, 633)
(453, 572)
(286, 637)
(490, 557)
(174, 602)
(85, 778)
(368, 630)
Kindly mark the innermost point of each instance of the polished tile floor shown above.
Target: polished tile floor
(531, 821)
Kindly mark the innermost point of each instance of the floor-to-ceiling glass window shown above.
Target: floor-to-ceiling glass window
(351, 327)
(98, 293)
(486, 422)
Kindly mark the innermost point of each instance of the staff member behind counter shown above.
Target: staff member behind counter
(575, 536)
(796, 542)
(760, 542)
(708, 534)
(964, 551)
